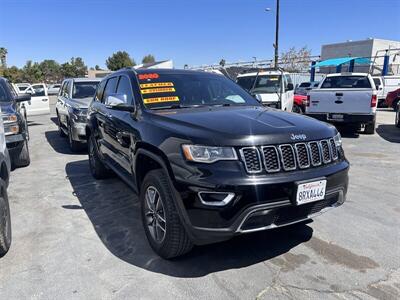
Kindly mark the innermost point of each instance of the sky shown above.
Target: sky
(188, 32)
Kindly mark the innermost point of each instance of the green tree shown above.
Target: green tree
(97, 68)
(13, 74)
(119, 60)
(74, 68)
(148, 59)
(51, 70)
(32, 72)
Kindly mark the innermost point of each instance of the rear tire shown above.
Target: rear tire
(161, 212)
(297, 109)
(97, 167)
(397, 120)
(370, 128)
(21, 158)
(394, 104)
(5, 220)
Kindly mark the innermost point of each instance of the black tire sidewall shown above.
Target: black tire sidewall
(5, 236)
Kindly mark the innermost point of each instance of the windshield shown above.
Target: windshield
(246, 82)
(84, 89)
(188, 90)
(342, 82)
(267, 84)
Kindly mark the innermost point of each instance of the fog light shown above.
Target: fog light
(9, 130)
(216, 198)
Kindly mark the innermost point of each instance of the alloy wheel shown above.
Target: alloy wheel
(4, 217)
(155, 214)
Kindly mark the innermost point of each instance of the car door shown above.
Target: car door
(106, 131)
(39, 103)
(61, 102)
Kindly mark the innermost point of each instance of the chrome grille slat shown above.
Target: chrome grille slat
(289, 157)
(303, 157)
(271, 159)
(252, 160)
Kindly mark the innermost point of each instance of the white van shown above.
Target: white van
(385, 85)
(272, 88)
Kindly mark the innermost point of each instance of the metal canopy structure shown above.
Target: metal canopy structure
(335, 62)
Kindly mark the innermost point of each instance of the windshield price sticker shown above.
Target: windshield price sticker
(158, 90)
(155, 85)
(148, 76)
(161, 100)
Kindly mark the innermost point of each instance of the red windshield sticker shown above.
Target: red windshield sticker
(148, 76)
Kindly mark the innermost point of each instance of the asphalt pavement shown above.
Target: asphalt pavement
(78, 238)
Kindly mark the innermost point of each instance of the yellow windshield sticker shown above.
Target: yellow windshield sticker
(160, 100)
(158, 90)
(155, 85)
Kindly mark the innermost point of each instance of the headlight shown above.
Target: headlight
(10, 119)
(11, 129)
(208, 154)
(338, 140)
(79, 115)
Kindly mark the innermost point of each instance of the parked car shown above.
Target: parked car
(15, 125)
(397, 118)
(304, 87)
(21, 87)
(71, 108)
(5, 218)
(53, 89)
(272, 88)
(345, 98)
(393, 98)
(39, 104)
(299, 105)
(208, 161)
(384, 86)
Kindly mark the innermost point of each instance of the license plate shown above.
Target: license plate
(336, 116)
(310, 191)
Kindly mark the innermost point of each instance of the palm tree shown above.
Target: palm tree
(3, 57)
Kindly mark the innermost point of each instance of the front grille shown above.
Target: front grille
(251, 158)
(289, 157)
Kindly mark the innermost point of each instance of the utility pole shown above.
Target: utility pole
(276, 45)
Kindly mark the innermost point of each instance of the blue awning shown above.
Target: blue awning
(334, 62)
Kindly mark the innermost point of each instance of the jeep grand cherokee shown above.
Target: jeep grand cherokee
(207, 160)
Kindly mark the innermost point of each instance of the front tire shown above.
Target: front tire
(21, 157)
(5, 220)
(97, 167)
(397, 120)
(73, 145)
(160, 217)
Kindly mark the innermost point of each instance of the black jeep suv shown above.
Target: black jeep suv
(208, 161)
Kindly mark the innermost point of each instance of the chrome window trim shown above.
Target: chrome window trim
(294, 157)
(308, 156)
(244, 160)
(277, 156)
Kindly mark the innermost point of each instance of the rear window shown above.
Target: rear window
(377, 82)
(345, 82)
(305, 84)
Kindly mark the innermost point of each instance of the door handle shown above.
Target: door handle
(339, 94)
(338, 102)
(44, 100)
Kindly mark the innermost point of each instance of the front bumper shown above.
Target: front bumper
(347, 118)
(15, 142)
(260, 203)
(78, 131)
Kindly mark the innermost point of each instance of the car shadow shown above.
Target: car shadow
(54, 120)
(114, 210)
(60, 144)
(389, 132)
(348, 132)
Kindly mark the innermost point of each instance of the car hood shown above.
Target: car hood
(242, 125)
(80, 102)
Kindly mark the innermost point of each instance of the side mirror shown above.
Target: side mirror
(290, 87)
(23, 97)
(119, 102)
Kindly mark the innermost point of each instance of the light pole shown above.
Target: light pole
(276, 44)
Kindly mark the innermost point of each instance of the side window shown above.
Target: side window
(67, 88)
(288, 80)
(124, 87)
(3, 93)
(100, 90)
(60, 92)
(111, 87)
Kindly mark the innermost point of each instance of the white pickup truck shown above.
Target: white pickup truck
(347, 98)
